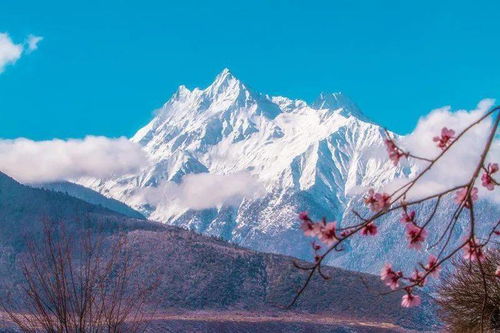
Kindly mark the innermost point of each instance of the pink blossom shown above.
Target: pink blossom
(418, 278)
(370, 200)
(394, 152)
(345, 233)
(415, 235)
(410, 300)
(493, 167)
(497, 272)
(446, 136)
(304, 216)
(315, 246)
(487, 179)
(408, 217)
(383, 200)
(386, 271)
(461, 196)
(327, 234)
(390, 277)
(377, 201)
(432, 267)
(369, 229)
(309, 228)
(473, 251)
(473, 194)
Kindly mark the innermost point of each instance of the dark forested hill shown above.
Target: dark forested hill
(23, 208)
(90, 196)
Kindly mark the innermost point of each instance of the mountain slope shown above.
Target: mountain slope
(90, 196)
(200, 272)
(23, 209)
(306, 157)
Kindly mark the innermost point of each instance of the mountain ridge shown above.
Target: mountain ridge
(314, 158)
(90, 196)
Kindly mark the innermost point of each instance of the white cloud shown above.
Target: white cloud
(32, 42)
(458, 164)
(204, 190)
(44, 161)
(9, 52)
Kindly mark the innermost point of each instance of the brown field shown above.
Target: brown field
(241, 321)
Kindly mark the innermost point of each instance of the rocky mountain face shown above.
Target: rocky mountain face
(317, 158)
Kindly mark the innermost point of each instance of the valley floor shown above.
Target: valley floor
(242, 322)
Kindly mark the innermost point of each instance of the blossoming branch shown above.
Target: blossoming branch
(331, 237)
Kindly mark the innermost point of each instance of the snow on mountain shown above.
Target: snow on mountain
(316, 157)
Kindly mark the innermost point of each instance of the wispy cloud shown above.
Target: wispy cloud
(204, 190)
(32, 42)
(10, 52)
(44, 161)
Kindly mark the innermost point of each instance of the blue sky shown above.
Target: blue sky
(104, 66)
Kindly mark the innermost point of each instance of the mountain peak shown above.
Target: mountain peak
(334, 100)
(338, 100)
(224, 78)
(181, 92)
(226, 83)
(225, 73)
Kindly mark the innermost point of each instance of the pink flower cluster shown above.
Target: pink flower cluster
(473, 251)
(370, 229)
(410, 299)
(415, 234)
(380, 203)
(377, 201)
(445, 139)
(325, 231)
(408, 217)
(461, 196)
(308, 226)
(418, 278)
(346, 232)
(390, 276)
(487, 178)
(394, 152)
(432, 266)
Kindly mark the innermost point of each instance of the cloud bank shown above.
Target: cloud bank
(11, 52)
(458, 164)
(44, 161)
(204, 190)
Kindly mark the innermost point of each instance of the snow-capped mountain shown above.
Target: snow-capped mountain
(314, 157)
